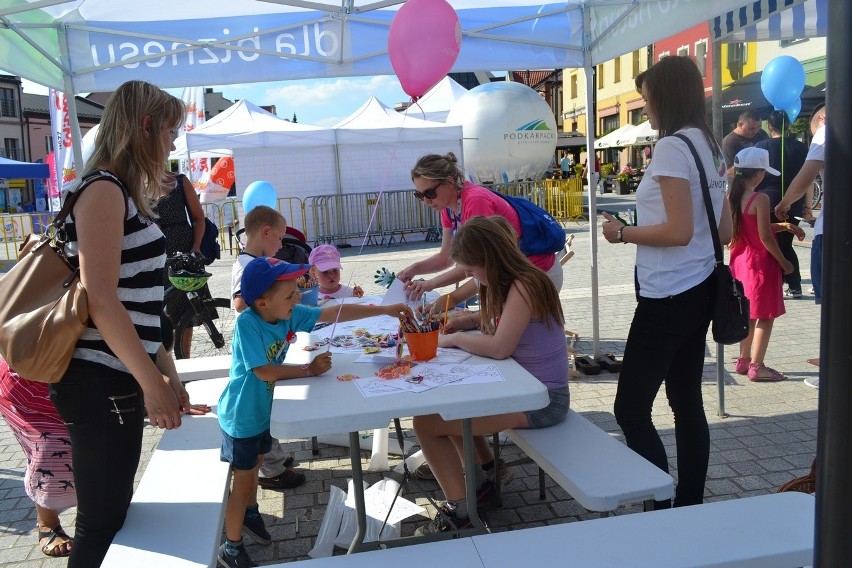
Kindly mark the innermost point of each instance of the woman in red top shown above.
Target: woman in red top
(440, 184)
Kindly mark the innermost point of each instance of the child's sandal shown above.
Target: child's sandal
(755, 370)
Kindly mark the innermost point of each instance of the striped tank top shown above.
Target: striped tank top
(140, 283)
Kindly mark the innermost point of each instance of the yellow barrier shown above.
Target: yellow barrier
(563, 199)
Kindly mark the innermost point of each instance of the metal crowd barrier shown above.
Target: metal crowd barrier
(346, 217)
(14, 227)
(563, 199)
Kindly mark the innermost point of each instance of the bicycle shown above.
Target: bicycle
(216, 316)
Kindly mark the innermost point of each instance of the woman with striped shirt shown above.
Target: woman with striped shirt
(119, 363)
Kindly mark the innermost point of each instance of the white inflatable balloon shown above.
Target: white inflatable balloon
(509, 132)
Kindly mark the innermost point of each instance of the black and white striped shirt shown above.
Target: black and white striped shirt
(140, 284)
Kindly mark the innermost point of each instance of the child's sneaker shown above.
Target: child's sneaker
(445, 521)
(241, 560)
(506, 474)
(254, 526)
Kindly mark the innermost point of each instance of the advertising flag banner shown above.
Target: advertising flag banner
(194, 168)
(63, 155)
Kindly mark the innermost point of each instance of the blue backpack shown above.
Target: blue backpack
(540, 233)
(210, 248)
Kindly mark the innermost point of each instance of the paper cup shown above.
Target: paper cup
(422, 346)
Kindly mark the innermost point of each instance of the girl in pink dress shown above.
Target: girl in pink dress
(756, 260)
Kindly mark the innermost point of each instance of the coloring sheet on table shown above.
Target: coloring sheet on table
(427, 376)
(444, 355)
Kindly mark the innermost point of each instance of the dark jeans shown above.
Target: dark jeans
(785, 243)
(105, 452)
(667, 342)
(816, 267)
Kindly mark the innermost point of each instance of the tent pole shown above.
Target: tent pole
(832, 533)
(715, 104)
(71, 100)
(591, 120)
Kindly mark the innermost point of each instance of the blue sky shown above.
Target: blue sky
(322, 102)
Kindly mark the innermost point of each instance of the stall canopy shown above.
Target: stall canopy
(246, 125)
(639, 135)
(95, 45)
(13, 169)
(377, 146)
(772, 20)
(611, 140)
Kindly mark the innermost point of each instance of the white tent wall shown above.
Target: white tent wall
(293, 172)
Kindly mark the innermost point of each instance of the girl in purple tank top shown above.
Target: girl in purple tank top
(521, 317)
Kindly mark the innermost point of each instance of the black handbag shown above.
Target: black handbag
(730, 305)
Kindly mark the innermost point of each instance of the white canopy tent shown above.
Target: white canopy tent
(611, 140)
(96, 45)
(377, 146)
(438, 101)
(638, 135)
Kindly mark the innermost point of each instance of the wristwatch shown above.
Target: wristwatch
(620, 235)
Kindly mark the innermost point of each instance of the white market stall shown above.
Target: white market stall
(377, 146)
(438, 101)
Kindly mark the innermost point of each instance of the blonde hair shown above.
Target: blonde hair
(491, 242)
(128, 147)
(262, 216)
(433, 166)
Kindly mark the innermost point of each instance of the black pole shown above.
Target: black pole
(833, 541)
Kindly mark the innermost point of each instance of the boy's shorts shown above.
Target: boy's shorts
(242, 453)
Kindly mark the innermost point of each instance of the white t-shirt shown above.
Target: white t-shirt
(817, 152)
(666, 271)
(237, 273)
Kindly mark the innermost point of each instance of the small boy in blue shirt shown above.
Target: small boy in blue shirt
(262, 336)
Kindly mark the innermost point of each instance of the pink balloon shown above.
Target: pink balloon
(423, 44)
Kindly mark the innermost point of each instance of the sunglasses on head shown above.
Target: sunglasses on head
(430, 193)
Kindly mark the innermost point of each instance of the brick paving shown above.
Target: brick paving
(767, 437)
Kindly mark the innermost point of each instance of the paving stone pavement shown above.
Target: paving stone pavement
(767, 437)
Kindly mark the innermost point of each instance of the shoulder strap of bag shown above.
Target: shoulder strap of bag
(708, 204)
(71, 199)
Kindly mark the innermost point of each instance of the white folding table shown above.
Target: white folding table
(323, 405)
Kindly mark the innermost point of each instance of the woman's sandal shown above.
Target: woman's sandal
(755, 370)
(741, 366)
(56, 538)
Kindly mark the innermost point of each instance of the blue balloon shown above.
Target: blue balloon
(794, 110)
(782, 81)
(260, 193)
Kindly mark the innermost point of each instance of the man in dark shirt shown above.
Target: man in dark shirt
(794, 155)
(745, 135)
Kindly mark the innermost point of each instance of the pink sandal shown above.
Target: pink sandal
(754, 370)
(742, 364)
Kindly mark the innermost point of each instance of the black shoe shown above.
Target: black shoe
(256, 529)
(241, 560)
(486, 497)
(794, 294)
(445, 521)
(287, 480)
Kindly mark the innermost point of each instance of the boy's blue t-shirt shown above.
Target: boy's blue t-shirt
(246, 403)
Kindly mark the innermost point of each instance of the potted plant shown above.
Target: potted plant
(623, 180)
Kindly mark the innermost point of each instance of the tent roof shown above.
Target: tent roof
(246, 125)
(638, 135)
(441, 97)
(175, 44)
(611, 140)
(377, 122)
(13, 169)
(772, 20)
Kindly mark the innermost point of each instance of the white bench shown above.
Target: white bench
(768, 531)
(175, 518)
(597, 470)
(198, 368)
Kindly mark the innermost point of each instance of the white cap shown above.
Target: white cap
(756, 159)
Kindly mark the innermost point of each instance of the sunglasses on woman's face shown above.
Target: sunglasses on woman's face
(430, 193)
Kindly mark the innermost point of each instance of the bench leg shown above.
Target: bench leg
(541, 484)
(499, 487)
(314, 446)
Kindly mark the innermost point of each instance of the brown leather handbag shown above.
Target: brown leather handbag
(43, 305)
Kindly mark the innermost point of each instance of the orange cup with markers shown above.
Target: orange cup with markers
(422, 346)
